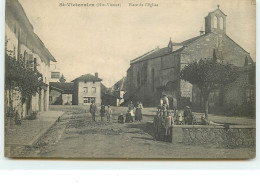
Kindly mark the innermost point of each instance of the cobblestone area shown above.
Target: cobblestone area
(220, 137)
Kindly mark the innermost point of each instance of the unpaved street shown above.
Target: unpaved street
(75, 136)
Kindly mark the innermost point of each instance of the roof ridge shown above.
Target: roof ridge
(144, 55)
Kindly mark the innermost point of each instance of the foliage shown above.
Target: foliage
(10, 112)
(32, 116)
(208, 74)
(16, 75)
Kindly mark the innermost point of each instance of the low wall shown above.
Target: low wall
(215, 135)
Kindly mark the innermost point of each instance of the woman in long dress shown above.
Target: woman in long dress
(131, 109)
(140, 107)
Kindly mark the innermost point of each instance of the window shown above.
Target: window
(93, 89)
(14, 50)
(144, 74)
(55, 75)
(215, 22)
(35, 64)
(88, 99)
(153, 80)
(85, 89)
(221, 23)
(138, 79)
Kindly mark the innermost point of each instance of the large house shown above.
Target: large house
(23, 43)
(158, 71)
(87, 88)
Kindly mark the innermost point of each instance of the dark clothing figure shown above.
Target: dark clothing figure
(93, 110)
(138, 114)
(128, 118)
(157, 126)
(102, 112)
(188, 117)
(121, 118)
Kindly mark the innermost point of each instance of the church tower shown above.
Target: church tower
(215, 22)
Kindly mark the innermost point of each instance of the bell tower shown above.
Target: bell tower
(215, 22)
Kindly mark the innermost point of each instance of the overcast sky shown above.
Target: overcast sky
(105, 39)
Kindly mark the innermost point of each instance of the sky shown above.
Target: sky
(105, 39)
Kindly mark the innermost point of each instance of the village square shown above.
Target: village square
(188, 99)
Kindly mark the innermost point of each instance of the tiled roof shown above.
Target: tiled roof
(66, 87)
(120, 85)
(160, 52)
(88, 78)
(104, 89)
(17, 10)
(154, 54)
(189, 41)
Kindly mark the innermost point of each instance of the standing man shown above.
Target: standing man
(93, 110)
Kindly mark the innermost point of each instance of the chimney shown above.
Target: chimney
(96, 75)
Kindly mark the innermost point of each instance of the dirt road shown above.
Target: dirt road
(76, 136)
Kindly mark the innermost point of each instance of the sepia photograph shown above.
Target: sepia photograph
(116, 79)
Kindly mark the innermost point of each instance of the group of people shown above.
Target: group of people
(104, 112)
(165, 119)
(133, 113)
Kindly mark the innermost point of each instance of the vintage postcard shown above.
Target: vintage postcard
(117, 79)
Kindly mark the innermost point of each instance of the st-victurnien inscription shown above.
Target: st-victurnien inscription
(107, 4)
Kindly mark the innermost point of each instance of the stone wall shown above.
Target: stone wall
(215, 136)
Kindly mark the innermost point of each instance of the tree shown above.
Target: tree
(62, 79)
(208, 75)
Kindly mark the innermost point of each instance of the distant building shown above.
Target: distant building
(87, 88)
(24, 45)
(61, 93)
(158, 71)
(118, 90)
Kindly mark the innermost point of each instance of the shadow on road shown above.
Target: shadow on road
(145, 127)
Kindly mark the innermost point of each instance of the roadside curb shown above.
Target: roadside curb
(38, 136)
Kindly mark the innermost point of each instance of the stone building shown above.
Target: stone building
(61, 93)
(158, 71)
(23, 43)
(87, 88)
(118, 90)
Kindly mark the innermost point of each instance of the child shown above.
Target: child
(102, 112)
(108, 113)
(180, 118)
(168, 124)
(121, 118)
(128, 117)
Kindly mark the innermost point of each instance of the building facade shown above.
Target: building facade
(54, 73)
(87, 88)
(23, 43)
(118, 90)
(158, 71)
(61, 93)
